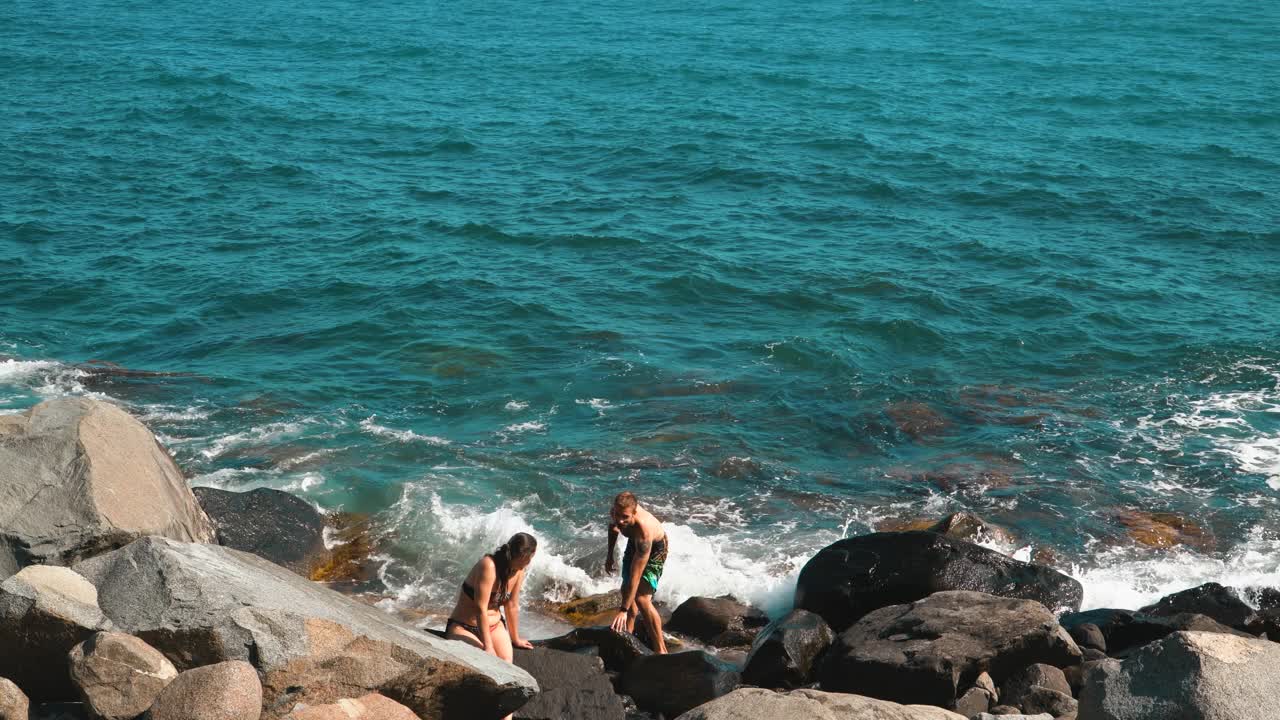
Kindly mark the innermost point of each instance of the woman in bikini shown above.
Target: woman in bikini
(491, 586)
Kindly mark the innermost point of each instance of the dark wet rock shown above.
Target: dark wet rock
(44, 612)
(676, 683)
(1089, 636)
(1265, 623)
(960, 525)
(1125, 630)
(1264, 598)
(591, 611)
(617, 650)
(203, 604)
(931, 650)
(1189, 676)
(807, 704)
(271, 524)
(917, 419)
(722, 621)
(59, 711)
(14, 704)
(222, 691)
(574, 687)
(852, 577)
(118, 676)
(737, 468)
(1211, 599)
(349, 563)
(1164, 530)
(1018, 686)
(81, 477)
(786, 652)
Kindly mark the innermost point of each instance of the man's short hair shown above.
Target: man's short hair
(625, 501)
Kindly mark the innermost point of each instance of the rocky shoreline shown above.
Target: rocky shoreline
(123, 594)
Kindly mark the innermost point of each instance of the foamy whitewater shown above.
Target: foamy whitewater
(786, 273)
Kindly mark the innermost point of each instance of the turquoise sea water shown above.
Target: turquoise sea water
(786, 270)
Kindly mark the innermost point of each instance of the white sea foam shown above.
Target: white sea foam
(404, 436)
(597, 404)
(305, 483)
(12, 371)
(531, 426)
(1130, 578)
(256, 435)
(166, 413)
(515, 406)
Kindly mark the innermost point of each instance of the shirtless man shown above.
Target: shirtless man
(641, 566)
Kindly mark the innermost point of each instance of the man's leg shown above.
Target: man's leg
(652, 620)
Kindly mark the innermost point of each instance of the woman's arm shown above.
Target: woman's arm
(513, 615)
(484, 588)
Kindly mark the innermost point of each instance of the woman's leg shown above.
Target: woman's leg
(457, 632)
(502, 645)
(502, 642)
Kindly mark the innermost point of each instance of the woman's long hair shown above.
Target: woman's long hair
(521, 545)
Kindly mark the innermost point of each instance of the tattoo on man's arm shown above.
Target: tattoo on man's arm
(643, 547)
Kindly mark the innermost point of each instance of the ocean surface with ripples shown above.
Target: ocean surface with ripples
(789, 271)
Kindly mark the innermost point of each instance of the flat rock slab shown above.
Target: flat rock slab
(675, 683)
(202, 604)
(758, 704)
(932, 650)
(574, 687)
(78, 477)
(855, 576)
(1187, 676)
(617, 650)
(271, 524)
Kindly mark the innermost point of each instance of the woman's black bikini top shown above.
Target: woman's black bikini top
(496, 600)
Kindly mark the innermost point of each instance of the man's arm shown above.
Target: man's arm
(613, 540)
(638, 561)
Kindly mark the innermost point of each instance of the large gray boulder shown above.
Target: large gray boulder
(1187, 676)
(119, 676)
(932, 650)
(757, 704)
(79, 477)
(44, 612)
(202, 604)
(854, 576)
